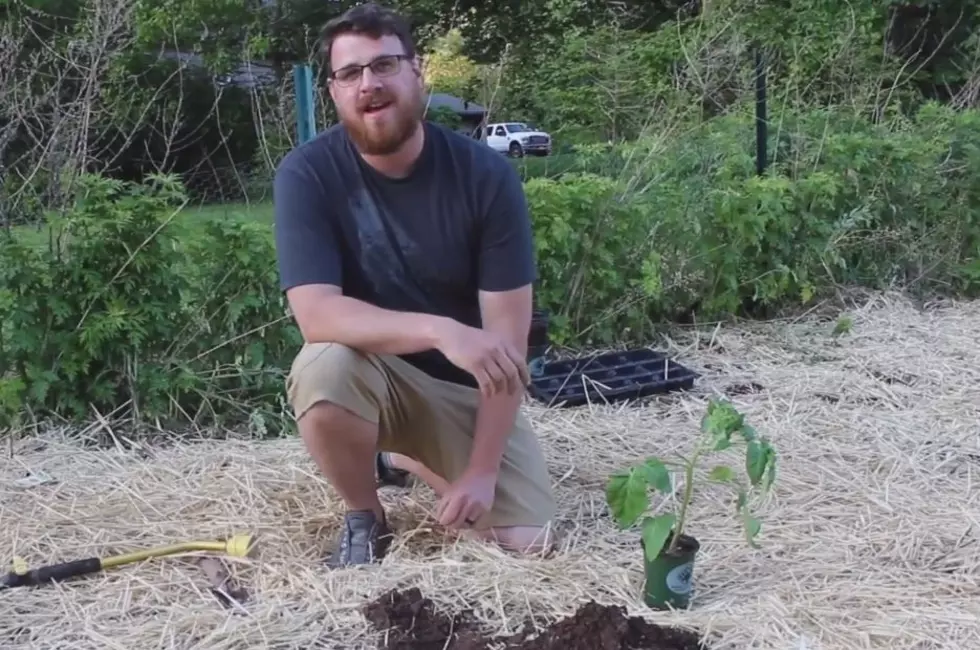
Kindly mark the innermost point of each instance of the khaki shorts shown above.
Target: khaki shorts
(424, 418)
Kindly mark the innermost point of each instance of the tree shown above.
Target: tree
(447, 69)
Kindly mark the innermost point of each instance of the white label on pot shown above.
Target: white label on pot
(679, 579)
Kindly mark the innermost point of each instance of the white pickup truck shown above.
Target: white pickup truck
(518, 139)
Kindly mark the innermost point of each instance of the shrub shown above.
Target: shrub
(88, 320)
(845, 202)
(595, 262)
(128, 308)
(244, 338)
(688, 227)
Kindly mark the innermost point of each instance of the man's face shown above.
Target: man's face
(381, 106)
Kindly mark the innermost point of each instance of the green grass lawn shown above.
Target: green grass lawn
(188, 218)
(259, 212)
(531, 167)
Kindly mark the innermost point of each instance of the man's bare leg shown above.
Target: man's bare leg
(530, 540)
(343, 447)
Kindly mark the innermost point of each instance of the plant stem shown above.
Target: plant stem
(685, 500)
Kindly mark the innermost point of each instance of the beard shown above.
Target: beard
(382, 137)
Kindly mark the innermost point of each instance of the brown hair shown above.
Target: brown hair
(369, 19)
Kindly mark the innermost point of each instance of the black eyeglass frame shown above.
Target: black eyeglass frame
(397, 58)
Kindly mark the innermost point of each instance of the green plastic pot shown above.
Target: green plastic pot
(669, 578)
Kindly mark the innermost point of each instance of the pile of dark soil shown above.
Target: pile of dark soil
(409, 621)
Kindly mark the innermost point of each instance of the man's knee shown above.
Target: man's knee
(324, 417)
(329, 381)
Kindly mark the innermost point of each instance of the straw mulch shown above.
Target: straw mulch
(869, 540)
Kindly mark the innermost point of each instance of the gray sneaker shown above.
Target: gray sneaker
(363, 540)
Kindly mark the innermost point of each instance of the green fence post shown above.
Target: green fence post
(305, 118)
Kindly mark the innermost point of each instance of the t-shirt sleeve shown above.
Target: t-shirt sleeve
(506, 247)
(306, 244)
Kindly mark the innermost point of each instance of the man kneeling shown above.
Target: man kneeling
(406, 255)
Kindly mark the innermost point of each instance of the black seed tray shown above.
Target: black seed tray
(611, 377)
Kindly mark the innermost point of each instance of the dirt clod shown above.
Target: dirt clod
(410, 621)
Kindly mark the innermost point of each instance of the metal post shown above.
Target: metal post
(305, 117)
(761, 121)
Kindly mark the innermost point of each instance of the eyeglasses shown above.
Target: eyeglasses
(385, 65)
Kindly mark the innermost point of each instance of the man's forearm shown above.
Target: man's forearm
(496, 414)
(359, 325)
(494, 423)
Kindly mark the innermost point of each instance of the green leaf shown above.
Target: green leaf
(616, 492)
(626, 495)
(657, 475)
(843, 325)
(722, 473)
(721, 419)
(656, 530)
(755, 461)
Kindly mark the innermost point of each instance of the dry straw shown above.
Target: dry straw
(869, 540)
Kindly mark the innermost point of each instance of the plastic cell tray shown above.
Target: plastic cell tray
(610, 377)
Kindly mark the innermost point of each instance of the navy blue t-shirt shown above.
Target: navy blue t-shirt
(425, 243)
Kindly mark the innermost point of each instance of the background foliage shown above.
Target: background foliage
(138, 141)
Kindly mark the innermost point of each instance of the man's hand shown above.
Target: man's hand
(467, 499)
(493, 361)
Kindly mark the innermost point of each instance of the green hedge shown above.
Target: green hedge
(132, 307)
(691, 227)
(186, 320)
